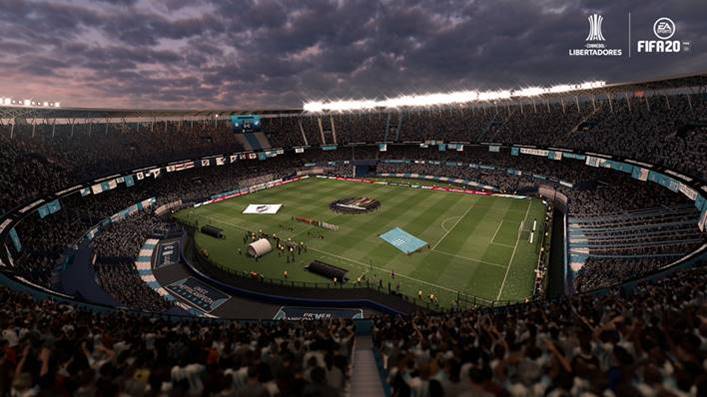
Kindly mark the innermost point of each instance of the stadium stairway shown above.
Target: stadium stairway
(365, 377)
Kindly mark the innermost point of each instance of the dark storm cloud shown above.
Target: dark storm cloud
(276, 53)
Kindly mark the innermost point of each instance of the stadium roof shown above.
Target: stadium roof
(49, 113)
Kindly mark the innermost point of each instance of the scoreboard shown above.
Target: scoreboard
(245, 123)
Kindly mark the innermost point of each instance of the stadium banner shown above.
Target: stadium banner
(515, 151)
(534, 152)
(199, 295)
(494, 148)
(163, 209)
(85, 191)
(442, 147)
(703, 221)
(328, 147)
(104, 186)
(310, 164)
(619, 166)
(232, 158)
(140, 176)
(43, 211)
(574, 156)
(486, 167)
(566, 184)
(664, 180)
(537, 176)
(220, 160)
(640, 173)
(701, 203)
(299, 150)
(262, 209)
(424, 145)
(15, 240)
(119, 216)
(262, 156)
(129, 181)
(204, 162)
(554, 155)
(595, 161)
(297, 313)
(687, 191)
(155, 172)
(185, 165)
(383, 147)
(49, 208)
(247, 190)
(512, 171)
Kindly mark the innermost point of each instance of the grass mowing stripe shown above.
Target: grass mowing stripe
(471, 259)
(385, 270)
(355, 246)
(453, 226)
(515, 249)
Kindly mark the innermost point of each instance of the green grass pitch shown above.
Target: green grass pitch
(478, 244)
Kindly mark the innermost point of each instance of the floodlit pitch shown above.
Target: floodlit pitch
(478, 245)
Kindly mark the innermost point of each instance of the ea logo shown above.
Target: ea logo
(664, 28)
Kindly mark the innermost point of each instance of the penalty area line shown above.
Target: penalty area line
(515, 248)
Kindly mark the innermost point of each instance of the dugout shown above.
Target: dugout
(212, 231)
(328, 271)
(259, 247)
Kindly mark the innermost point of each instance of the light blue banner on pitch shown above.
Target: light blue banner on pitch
(403, 240)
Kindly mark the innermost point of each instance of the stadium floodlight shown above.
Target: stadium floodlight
(442, 99)
(57, 104)
(28, 102)
(528, 92)
(555, 89)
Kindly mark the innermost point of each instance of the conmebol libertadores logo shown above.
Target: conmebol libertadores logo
(594, 43)
(595, 21)
(664, 29)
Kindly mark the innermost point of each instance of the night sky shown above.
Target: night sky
(275, 54)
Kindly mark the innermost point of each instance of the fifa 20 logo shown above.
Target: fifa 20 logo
(595, 34)
(663, 29)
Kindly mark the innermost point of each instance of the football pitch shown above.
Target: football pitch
(478, 246)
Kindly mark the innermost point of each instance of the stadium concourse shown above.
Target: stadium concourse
(104, 294)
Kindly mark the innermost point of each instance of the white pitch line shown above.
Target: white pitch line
(453, 226)
(502, 245)
(470, 259)
(496, 232)
(384, 270)
(510, 261)
(444, 222)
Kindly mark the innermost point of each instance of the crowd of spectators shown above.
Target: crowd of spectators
(116, 250)
(54, 349)
(650, 343)
(43, 159)
(44, 240)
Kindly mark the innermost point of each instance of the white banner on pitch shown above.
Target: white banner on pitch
(262, 209)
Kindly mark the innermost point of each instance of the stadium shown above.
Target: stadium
(536, 240)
